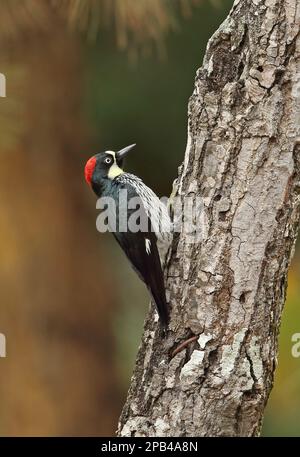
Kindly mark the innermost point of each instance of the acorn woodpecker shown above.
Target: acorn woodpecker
(104, 174)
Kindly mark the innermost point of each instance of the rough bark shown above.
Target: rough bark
(242, 158)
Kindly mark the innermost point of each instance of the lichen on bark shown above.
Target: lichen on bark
(242, 159)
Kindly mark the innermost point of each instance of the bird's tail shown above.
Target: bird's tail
(161, 306)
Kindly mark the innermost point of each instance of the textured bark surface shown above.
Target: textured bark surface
(242, 158)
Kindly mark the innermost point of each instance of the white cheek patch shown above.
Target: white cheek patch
(148, 246)
(114, 170)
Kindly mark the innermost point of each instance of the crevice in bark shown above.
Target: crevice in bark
(242, 160)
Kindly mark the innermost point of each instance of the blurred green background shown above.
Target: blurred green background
(84, 76)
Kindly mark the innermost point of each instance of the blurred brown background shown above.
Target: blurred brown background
(84, 76)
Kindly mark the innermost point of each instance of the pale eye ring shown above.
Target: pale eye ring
(107, 160)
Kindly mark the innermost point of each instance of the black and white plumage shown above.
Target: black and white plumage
(134, 202)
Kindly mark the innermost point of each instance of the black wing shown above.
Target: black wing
(141, 250)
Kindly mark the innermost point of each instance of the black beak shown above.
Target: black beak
(120, 155)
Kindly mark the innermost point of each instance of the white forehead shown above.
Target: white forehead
(112, 153)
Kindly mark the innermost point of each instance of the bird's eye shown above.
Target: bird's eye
(107, 160)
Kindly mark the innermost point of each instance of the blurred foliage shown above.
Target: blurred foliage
(72, 310)
(282, 416)
(135, 26)
(133, 23)
(12, 122)
(20, 17)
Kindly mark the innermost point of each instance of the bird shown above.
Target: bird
(106, 177)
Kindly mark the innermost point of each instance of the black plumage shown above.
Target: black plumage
(104, 174)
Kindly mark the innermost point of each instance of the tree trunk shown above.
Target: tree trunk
(242, 159)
